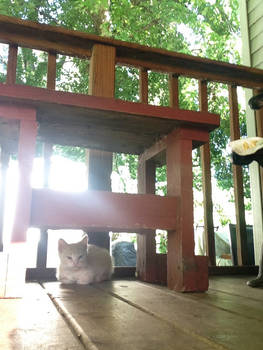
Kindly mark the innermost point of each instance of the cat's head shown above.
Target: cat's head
(73, 255)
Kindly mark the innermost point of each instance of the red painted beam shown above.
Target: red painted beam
(99, 210)
(39, 96)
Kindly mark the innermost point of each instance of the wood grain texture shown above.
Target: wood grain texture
(32, 322)
(113, 322)
(184, 270)
(228, 316)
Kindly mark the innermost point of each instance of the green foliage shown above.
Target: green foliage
(161, 242)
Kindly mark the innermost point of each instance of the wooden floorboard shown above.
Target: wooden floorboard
(127, 314)
(114, 323)
(32, 323)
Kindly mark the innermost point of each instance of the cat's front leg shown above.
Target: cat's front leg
(85, 276)
(65, 280)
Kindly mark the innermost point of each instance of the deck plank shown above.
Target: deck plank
(32, 323)
(114, 323)
(209, 320)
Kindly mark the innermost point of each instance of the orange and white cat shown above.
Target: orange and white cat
(83, 263)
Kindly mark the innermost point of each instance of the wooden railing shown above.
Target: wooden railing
(54, 41)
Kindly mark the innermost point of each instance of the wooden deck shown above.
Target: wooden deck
(127, 314)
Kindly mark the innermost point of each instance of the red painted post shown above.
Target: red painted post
(185, 272)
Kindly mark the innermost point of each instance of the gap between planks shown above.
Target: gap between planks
(87, 342)
(169, 323)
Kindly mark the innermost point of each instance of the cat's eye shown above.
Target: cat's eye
(69, 257)
(80, 257)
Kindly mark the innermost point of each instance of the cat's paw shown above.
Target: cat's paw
(66, 281)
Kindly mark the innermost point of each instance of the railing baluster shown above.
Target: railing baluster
(241, 236)
(11, 65)
(173, 90)
(51, 71)
(259, 126)
(206, 183)
(143, 85)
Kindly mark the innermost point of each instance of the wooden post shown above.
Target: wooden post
(11, 65)
(26, 152)
(173, 90)
(185, 272)
(51, 71)
(43, 241)
(146, 246)
(47, 153)
(241, 236)
(99, 163)
(4, 160)
(143, 85)
(206, 184)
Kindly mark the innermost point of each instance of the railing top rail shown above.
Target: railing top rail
(68, 42)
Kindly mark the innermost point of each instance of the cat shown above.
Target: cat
(83, 263)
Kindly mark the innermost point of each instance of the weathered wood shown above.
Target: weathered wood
(11, 65)
(146, 246)
(206, 183)
(185, 272)
(238, 182)
(101, 83)
(98, 210)
(32, 322)
(101, 306)
(223, 318)
(173, 90)
(68, 42)
(51, 71)
(4, 161)
(102, 71)
(143, 85)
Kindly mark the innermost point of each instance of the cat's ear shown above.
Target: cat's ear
(85, 240)
(61, 244)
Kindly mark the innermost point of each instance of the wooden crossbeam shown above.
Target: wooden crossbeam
(101, 210)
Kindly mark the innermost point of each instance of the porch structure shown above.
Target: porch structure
(102, 124)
